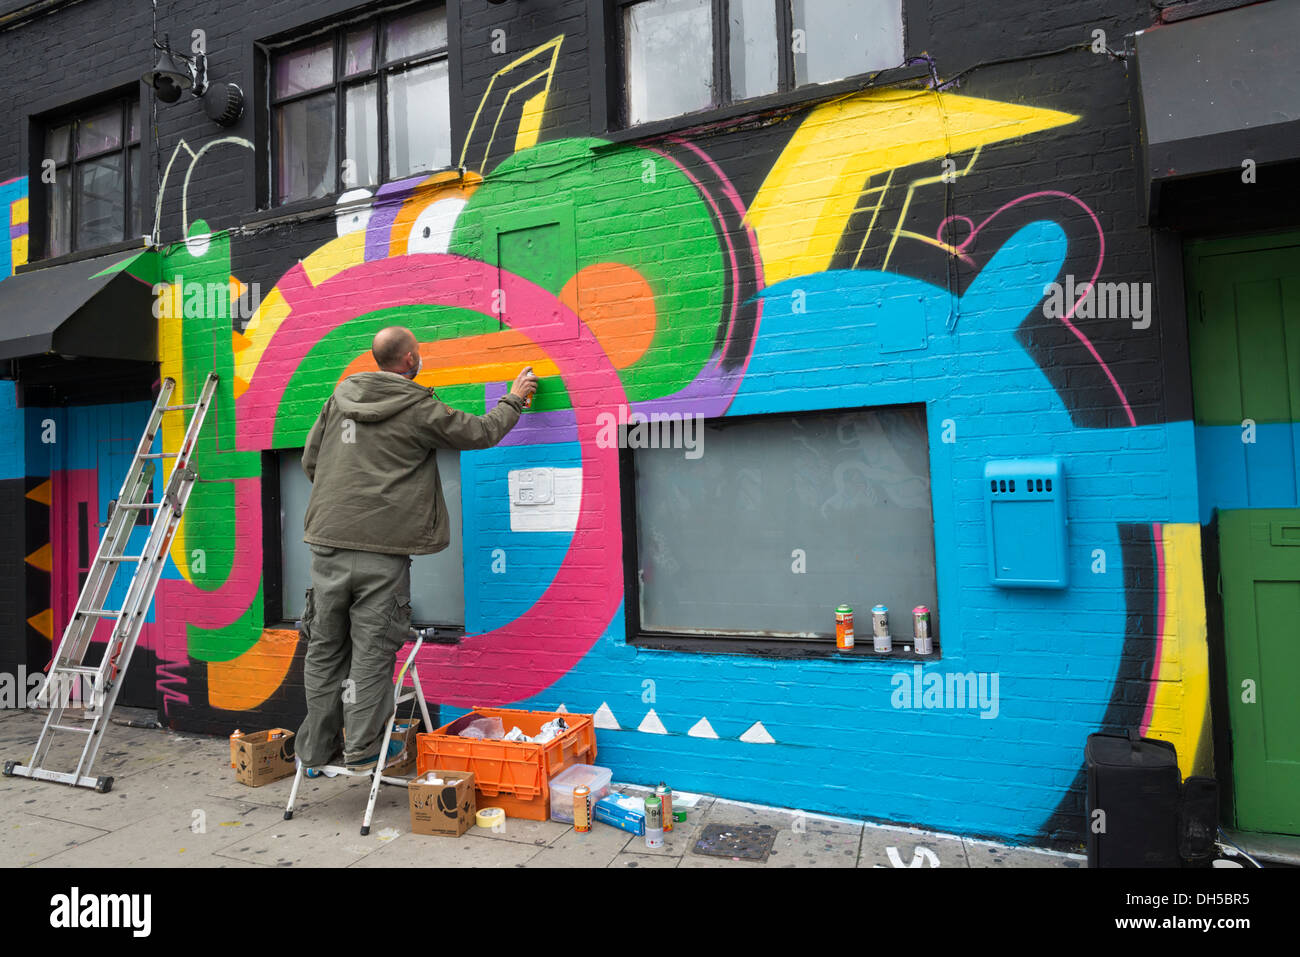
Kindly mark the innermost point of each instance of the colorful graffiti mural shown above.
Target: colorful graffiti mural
(661, 287)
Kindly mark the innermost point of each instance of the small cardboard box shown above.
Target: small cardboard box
(447, 809)
(261, 757)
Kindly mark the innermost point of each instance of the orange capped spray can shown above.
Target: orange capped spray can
(844, 627)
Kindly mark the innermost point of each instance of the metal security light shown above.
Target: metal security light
(173, 73)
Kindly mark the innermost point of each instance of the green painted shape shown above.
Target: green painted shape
(144, 265)
(225, 644)
(468, 398)
(635, 207)
(1244, 330)
(317, 375)
(206, 347)
(1260, 552)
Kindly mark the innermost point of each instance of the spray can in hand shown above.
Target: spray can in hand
(528, 402)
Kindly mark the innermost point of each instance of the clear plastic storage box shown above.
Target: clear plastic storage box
(562, 786)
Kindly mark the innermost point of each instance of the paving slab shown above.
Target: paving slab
(886, 847)
(468, 850)
(643, 860)
(595, 848)
(27, 838)
(176, 836)
(985, 854)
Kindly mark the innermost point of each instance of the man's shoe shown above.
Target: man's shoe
(368, 764)
(314, 773)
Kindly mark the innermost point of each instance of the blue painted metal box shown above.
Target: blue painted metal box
(1025, 515)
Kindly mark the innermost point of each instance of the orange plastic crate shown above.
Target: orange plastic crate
(514, 776)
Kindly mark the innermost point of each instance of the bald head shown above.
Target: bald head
(393, 349)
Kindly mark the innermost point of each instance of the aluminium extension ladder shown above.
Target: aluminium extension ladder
(377, 776)
(69, 664)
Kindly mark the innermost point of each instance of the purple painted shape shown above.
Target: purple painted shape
(384, 207)
(18, 230)
(708, 394)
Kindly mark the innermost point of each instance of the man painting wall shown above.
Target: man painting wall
(376, 500)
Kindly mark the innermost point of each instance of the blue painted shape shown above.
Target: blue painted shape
(844, 743)
(1024, 508)
(13, 460)
(1237, 474)
(524, 562)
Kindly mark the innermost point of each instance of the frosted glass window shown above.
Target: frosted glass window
(752, 26)
(834, 39)
(437, 581)
(668, 49)
(717, 535)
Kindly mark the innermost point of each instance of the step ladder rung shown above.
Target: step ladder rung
(177, 408)
(68, 727)
(143, 505)
(160, 455)
(102, 612)
(78, 669)
(123, 558)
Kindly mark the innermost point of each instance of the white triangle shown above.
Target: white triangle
(651, 724)
(604, 718)
(702, 729)
(561, 709)
(757, 734)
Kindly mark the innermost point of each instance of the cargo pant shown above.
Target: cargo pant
(356, 618)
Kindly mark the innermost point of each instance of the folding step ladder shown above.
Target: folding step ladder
(400, 696)
(69, 665)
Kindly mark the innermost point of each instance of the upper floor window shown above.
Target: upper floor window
(360, 105)
(91, 173)
(681, 56)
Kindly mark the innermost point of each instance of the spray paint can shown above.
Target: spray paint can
(665, 795)
(654, 822)
(528, 402)
(844, 627)
(880, 629)
(582, 809)
(921, 630)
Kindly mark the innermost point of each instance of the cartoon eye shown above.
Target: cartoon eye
(431, 231)
(198, 244)
(351, 214)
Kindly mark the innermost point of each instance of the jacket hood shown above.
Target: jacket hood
(375, 396)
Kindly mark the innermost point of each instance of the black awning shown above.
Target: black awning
(1218, 90)
(96, 308)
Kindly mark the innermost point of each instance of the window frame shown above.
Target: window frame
(380, 69)
(724, 101)
(273, 555)
(72, 117)
(707, 642)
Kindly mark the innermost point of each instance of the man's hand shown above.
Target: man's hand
(525, 384)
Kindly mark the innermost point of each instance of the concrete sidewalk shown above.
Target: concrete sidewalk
(175, 803)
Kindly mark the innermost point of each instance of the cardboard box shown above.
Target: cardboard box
(621, 811)
(404, 730)
(261, 757)
(445, 809)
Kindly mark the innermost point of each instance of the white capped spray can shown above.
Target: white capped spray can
(880, 629)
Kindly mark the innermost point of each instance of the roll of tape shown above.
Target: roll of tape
(490, 817)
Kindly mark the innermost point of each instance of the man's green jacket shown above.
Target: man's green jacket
(370, 456)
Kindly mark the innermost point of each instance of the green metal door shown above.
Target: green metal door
(1244, 339)
(1261, 611)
